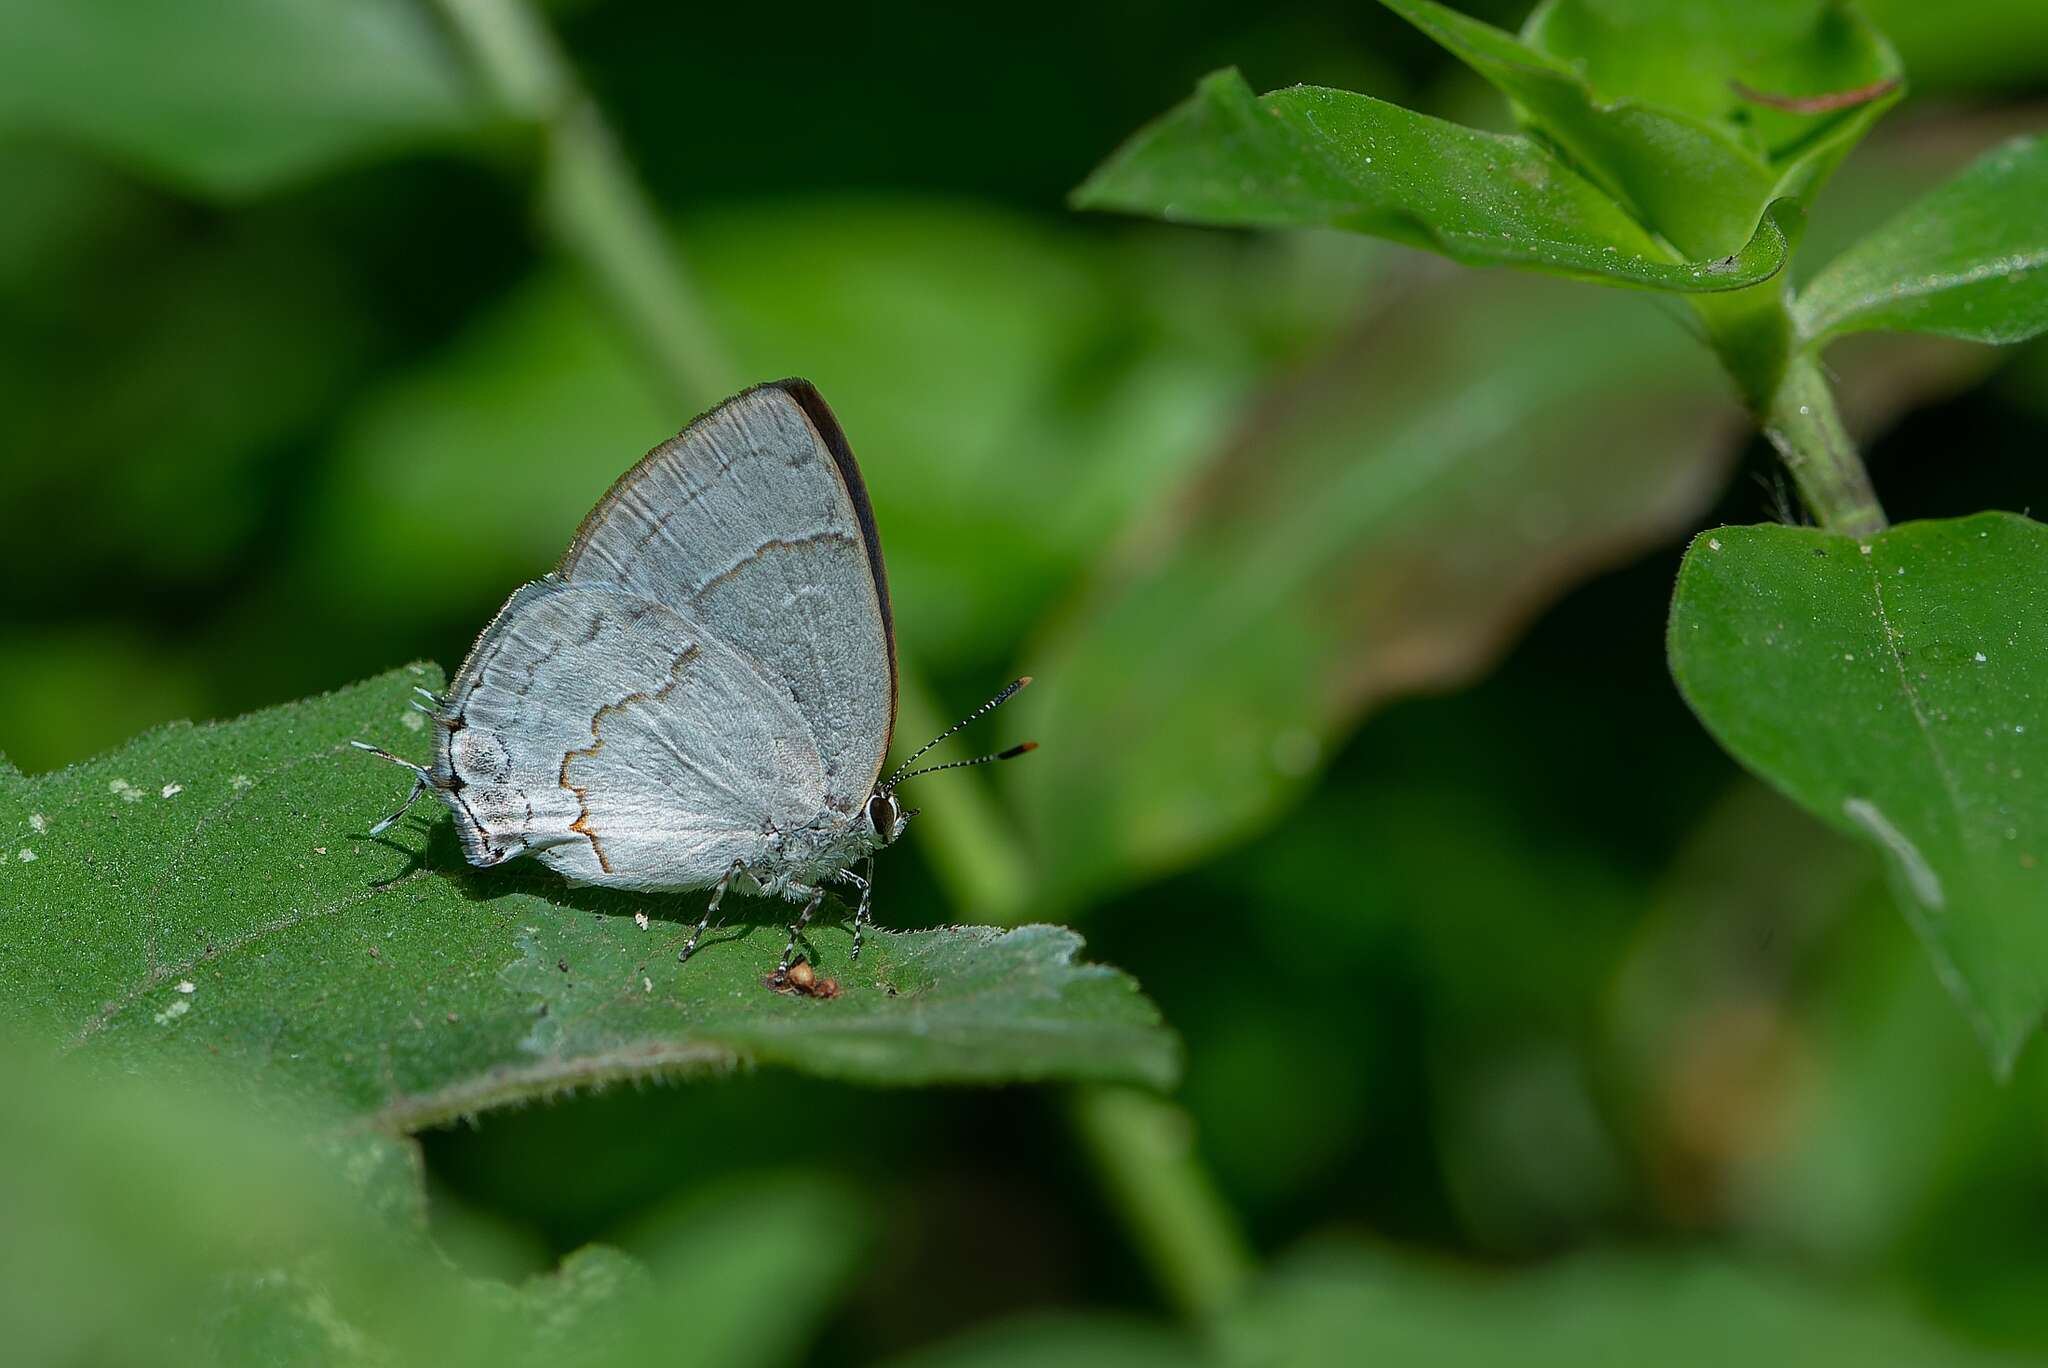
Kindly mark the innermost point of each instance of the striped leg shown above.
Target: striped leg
(862, 912)
(797, 928)
(710, 911)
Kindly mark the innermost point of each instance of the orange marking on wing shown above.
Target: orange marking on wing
(581, 826)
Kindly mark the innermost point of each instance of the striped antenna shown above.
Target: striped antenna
(419, 783)
(901, 771)
(1011, 754)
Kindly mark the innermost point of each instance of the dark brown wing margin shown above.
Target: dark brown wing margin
(820, 413)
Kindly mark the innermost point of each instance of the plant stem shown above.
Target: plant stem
(597, 211)
(1751, 330)
(591, 201)
(1804, 425)
(1143, 1147)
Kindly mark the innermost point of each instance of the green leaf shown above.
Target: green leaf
(208, 894)
(1684, 176)
(746, 1268)
(234, 1240)
(1340, 1303)
(1968, 260)
(1675, 86)
(1892, 690)
(1384, 526)
(1777, 74)
(1696, 180)
(1337, 1303)
(229, 97)
(1312, 157)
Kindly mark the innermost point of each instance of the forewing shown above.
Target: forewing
(754, 521)
(620, 741)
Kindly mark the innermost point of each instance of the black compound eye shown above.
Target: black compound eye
(881, 814)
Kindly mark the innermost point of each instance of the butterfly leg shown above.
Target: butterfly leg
(710, 911)
(866, 884)
(862, 912)
(796, 928)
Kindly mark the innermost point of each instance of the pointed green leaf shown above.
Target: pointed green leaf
(229, 97)
(1684, 176)
(1894, 690)
(1775, 74)
(1968, 260)
(209, 893)
(1312, 157)
(1673, 84)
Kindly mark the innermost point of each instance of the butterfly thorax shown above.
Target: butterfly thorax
(814, 853)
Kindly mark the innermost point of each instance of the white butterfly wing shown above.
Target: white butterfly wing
(754, 522)
(620, 742)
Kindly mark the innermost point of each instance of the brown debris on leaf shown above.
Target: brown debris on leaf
(801, 980)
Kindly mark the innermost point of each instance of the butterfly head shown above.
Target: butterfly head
(886, 818)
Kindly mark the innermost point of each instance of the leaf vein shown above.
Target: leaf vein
(158, 977)
(1942, 766)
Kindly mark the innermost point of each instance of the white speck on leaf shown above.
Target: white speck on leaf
(240, 782)
(646, 984)
(640, 920)
(1713, 543)
(187, 987)
(171, 1013)
(27, 856)
(1980, 657)
(173, 790)
(125, 791)
(411, 721)
(1865, 548)
(38, 823)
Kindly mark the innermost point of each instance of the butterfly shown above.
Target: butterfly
(702, 693)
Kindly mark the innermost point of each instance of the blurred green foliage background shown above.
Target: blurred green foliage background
(1344, 573)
